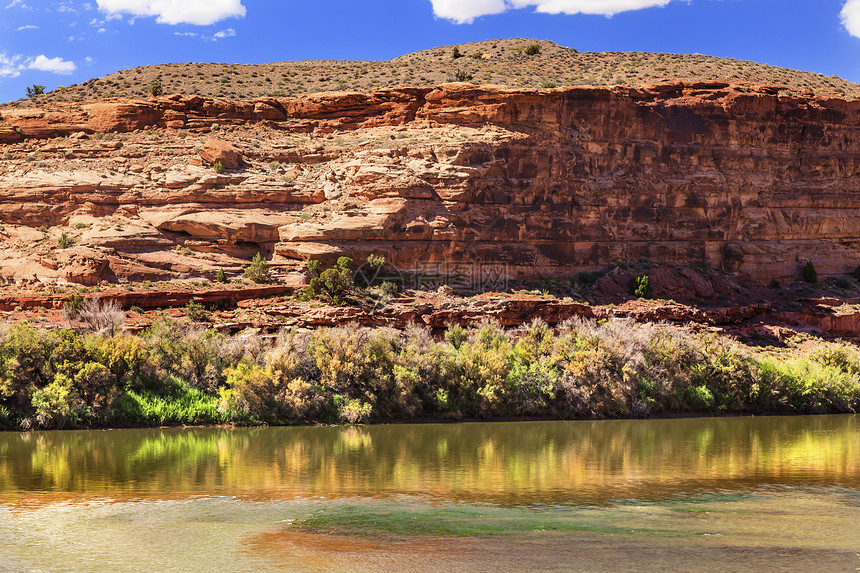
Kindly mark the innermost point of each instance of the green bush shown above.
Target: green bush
(640, 286)
(35, 90)
(73, 306)
(258, 270)
(532, 50)
(221, 277)
(375, 262)
(177, 374)
(65, 241)
(455, 53)
(155, 88)
(219, 168)
(334, 284)
(809, 274)
(196, 311)
(56, 404)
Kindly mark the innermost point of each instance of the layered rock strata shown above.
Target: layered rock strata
(475, 182)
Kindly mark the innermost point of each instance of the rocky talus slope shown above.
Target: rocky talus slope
(459, 179)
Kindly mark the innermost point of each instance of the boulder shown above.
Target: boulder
(217, 150)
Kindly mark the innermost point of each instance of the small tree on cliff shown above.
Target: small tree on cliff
(258, 270)
(640, 286)
(333, 284)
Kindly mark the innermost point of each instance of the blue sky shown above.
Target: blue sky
(64, 42)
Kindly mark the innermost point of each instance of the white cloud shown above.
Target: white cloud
(228, 33)
(851, 17)
(14, 3)
(465, 11)
(198, 12)
(28, 27)
(10, 66)
(53, 65)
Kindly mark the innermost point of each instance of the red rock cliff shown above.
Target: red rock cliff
(533, 182)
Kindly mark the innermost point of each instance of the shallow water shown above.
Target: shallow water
(775, 493)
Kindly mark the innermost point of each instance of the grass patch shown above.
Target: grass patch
(453, 521)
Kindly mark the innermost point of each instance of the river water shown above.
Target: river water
(703, 494)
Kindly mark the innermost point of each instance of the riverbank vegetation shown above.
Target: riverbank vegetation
(179, 374)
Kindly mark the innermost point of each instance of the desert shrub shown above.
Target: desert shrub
(354, 363)
(250, 392)
(221, 277)
(102, 317)
(196, 311)
(533, 371)
(375, 262)
(155, 88)
(124, 355)
(462, 76)
(730, 374)
(65, 241)
(219, 168)
(258, 270)
(25, 364)
(197, 357)
(55, 405)
(843, 356)
(456, 335)
(35, 90)
(532, 50)
(592, 379)
(294, 371)
(806, 386)
(388, 289)
(809, 273)
(841, 282)
(481, 388)
(640, 286)
(97, 387)
(73, 306)
(353, 410)
(455, 53)
(433, 362)
(620, 368)
(334, 284)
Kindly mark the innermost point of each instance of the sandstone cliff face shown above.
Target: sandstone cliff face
(476, 181)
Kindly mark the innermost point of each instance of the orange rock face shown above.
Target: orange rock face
(458, 180)
(217, 151)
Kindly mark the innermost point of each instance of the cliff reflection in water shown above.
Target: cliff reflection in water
(517, 462)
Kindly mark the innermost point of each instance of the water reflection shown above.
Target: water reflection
(518, 462)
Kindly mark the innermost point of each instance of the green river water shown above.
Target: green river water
(701, 494)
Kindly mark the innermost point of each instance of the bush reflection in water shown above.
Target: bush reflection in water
(504, 462)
